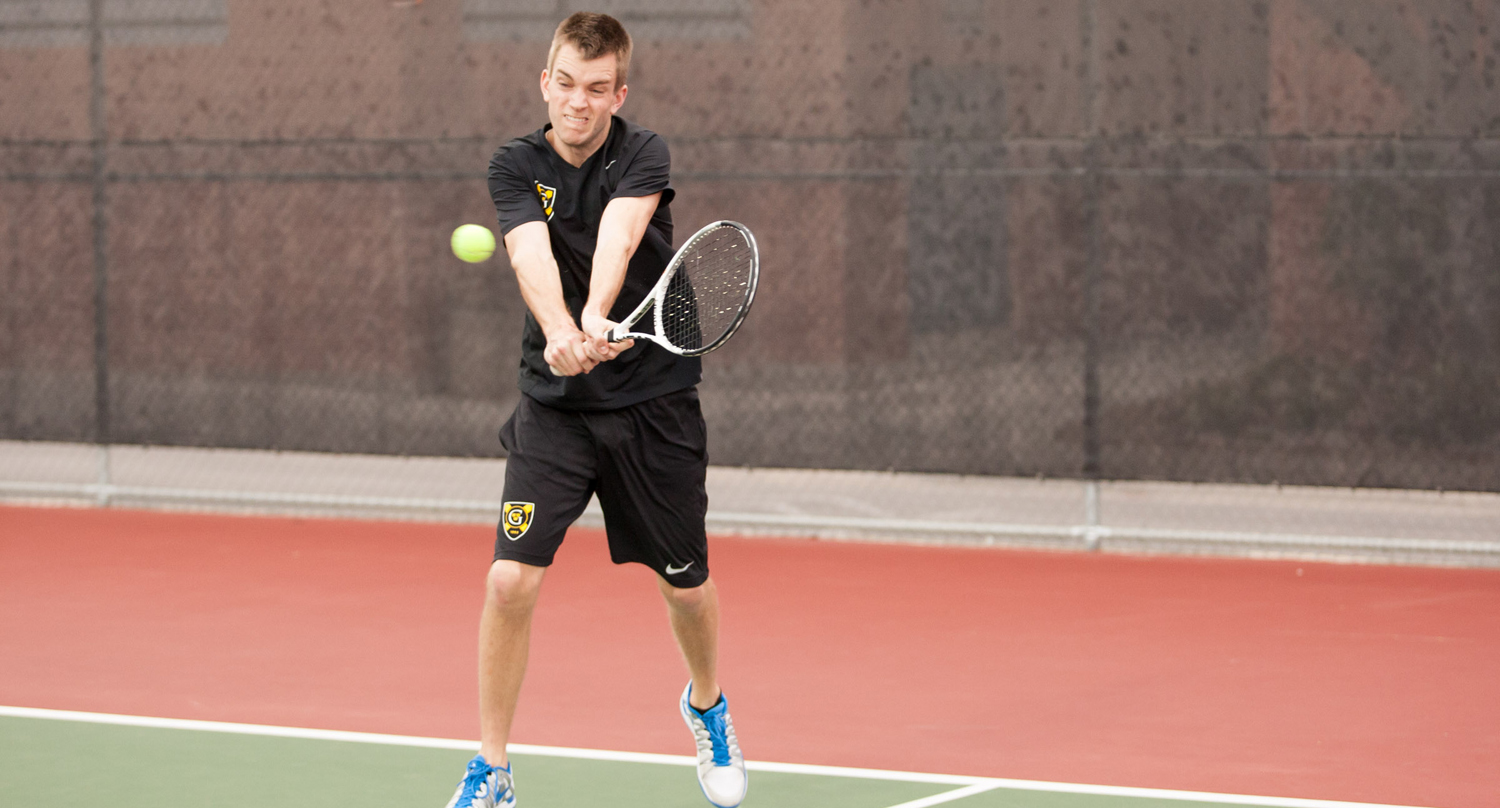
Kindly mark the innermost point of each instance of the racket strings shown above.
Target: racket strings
(705, 298)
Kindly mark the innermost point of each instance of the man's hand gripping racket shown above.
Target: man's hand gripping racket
(702, 296)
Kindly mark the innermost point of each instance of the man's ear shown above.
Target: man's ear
(619, 98)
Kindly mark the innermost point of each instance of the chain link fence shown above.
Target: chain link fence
(1099, 240)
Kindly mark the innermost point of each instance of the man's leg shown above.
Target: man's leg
(695, 622)
(511, 591)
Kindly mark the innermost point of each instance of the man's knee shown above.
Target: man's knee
(513, 586)
(691, 599)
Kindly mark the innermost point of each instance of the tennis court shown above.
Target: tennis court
(181, 648)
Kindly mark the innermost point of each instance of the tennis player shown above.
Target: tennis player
(583, 206)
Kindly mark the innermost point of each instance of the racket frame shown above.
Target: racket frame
(655, 299)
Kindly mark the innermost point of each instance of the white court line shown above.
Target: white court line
(975, 785)
(949, 796)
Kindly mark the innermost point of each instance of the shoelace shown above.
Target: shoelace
(476, 778)
(718, 735)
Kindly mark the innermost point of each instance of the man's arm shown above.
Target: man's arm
(530, 250)
(620, 231)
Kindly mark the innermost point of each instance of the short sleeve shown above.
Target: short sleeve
(516, 202)
(649, 172)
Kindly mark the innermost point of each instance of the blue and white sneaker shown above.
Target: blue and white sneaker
(484, 786)
(721, 767)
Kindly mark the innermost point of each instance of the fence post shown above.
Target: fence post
(1091, 278)
(1093, 530)
(98, 132)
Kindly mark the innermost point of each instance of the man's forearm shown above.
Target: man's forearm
(611, 260)
(541, 288)
(620, 231)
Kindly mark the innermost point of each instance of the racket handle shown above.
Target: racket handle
(611, 334)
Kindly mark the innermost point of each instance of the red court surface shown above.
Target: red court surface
(1292, 679)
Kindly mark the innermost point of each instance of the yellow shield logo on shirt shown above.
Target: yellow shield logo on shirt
(515, 519)
(548, 195)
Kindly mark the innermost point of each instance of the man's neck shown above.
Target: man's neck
(577, 157)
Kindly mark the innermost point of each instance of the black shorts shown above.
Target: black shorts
(647, 462)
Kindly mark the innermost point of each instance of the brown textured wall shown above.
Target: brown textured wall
(1271, 224)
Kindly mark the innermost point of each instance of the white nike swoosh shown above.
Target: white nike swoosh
(671, 571)
(606, 168)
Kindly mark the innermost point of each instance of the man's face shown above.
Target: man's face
(581, 96)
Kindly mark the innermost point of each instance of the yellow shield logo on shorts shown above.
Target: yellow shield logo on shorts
(516, 518)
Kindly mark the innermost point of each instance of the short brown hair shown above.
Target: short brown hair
(594, 35)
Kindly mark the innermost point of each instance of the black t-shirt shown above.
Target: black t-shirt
(530, 182)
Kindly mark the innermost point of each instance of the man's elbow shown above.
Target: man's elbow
(616, 251)
(523, 258)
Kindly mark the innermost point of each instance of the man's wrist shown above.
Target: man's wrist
(560, 330)
(592, 321)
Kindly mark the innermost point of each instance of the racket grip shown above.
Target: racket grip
(611, 334)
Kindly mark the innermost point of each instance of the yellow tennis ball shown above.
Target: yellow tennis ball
(473, 243)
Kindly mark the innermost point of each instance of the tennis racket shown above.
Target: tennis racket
(703, 295)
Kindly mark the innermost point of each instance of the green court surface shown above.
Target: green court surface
(51, 762)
